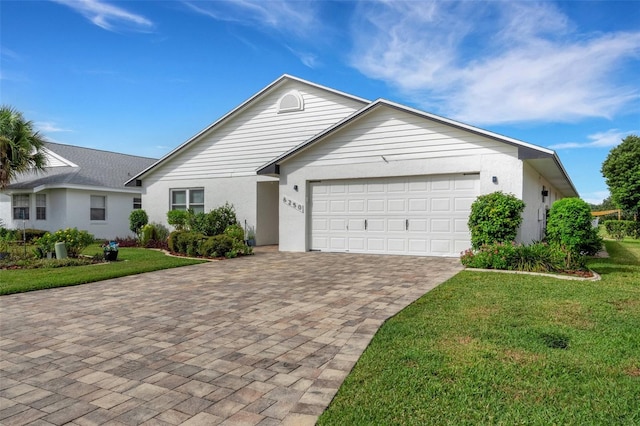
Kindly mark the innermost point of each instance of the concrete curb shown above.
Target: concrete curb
(595, 277)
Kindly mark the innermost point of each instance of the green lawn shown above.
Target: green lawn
(488, 348)
(130, 261)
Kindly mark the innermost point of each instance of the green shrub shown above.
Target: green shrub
(30, 234)
(218, 246)
(237, 234)
(187, 242)
(147, 233)
(536, 257)
(570, 226)
(495, 218)
(137, 219)
(178, 219)
(491, 256)
(619, 229)
(74, 240)
(172, 241)
(162, 232)
(215, 222)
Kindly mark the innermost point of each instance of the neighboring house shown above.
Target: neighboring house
(311, 168)
(81, 187)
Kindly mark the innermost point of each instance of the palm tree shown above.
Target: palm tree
(21, 149)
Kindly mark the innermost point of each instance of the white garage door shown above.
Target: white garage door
(420, 215)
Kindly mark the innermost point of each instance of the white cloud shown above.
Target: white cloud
(447, 57)
(49, 127)
(595, 197)
(297, 18)
(108, 16)
(296, 22)
(606, 139)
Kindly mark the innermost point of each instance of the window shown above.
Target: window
(21, 206)
(184, 199)
(137, 203)
(98, 207)
(41, 206)
(291, 101)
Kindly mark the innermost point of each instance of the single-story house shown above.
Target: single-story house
(80, 187)
(312, 168)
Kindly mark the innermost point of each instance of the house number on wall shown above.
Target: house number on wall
(293, 204)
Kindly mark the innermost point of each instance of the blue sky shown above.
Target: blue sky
(141, 77)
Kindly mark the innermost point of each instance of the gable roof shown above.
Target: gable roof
(242, 107)
(74, 166)
(542, 159)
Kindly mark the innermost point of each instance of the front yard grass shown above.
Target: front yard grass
(131, 261)
(506, 349)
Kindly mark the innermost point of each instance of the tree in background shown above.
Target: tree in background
(21, 148)
(621, 170)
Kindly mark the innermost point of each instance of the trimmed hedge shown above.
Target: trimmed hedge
(495, 218)
(619, 229)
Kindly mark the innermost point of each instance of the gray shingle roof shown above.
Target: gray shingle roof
(98, 168)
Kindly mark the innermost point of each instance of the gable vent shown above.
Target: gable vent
(291, 101)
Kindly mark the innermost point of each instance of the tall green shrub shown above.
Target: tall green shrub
(178, 219)
(495, 218)
(570, 226)
(137, 219)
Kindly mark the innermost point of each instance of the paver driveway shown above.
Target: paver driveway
(265, 339)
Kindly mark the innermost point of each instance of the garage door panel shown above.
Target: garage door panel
(440, 225)
(337, 188)
(418, 225)
(440, 185)
(396, 245)
(463, 204)
(396, 225)
(440, 204)
(320, 224)
(376, 205)
(375, 188)
(440, 247)
(357, 243)
(338, 243)
(460, 225)
(418, 205)
(397, 205)
(421, 215)
(337, 224)
(376, 245)
(337, 206)
(376, 225)
(357, 206)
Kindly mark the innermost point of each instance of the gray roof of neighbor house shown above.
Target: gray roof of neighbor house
(75, 166)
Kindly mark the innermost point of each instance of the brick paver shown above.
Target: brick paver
(265, 339)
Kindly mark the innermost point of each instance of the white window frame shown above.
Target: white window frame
(25, 209)
(188, 200)
(137, 203)
(41, 206)
(97, 208)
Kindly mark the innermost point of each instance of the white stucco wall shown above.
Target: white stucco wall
(294, 224)
(239, 191)
(70, 208)
(534, 215)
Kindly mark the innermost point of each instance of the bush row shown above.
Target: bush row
(536, 257)
(619, 229)
(228, 244)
